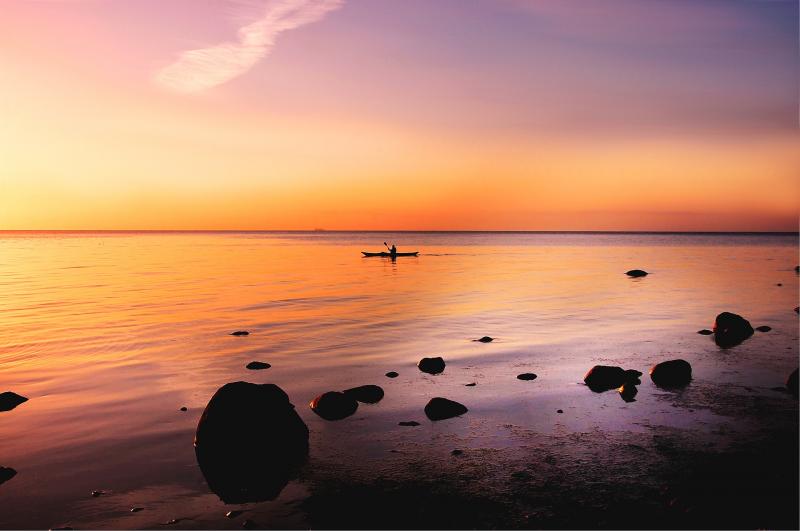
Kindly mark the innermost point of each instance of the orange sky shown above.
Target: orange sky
(355, 119)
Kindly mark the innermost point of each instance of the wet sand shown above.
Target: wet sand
(108, 349)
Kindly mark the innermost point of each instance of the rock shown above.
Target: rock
(779, 284)
(705, 332)
(334, 405)
(240, 333)
(97, 493)
(628, 392)
(559, 411)
(431, 365)
(9, 400)
(797, 309)
(233, 514)
(184, 408)
(764, 328)
(485, 339)
(6, 473)
(441, 408)
(408, 423)
(249, 442)
(392, 374)
(791, 383)
(604, 378)
(367, 394)
(136, 509)
(635, 273)
(526, 376)
(731, 329)
(672, 373)
(472, 384)
(257, 366)
(457, 452)
(797, 269)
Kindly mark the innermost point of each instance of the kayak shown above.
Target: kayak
(389, 255)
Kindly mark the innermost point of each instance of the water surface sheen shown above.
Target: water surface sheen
(109, 334)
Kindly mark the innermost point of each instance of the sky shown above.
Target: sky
(673, 115)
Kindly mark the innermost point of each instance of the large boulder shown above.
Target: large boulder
(9, 400)
(431, 365)
(367, 394)
(249, 442)
(604, 378)
(791, 383)
(731, 329)
(441, 408)
(636, 273)
(672, 373)
(628, 392)
(334, 405)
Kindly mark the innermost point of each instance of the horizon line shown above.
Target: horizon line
(403, 231)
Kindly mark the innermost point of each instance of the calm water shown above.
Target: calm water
(108, 335)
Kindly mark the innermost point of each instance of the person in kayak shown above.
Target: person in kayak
(393, 251)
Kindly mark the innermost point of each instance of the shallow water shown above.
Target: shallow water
(109, 334)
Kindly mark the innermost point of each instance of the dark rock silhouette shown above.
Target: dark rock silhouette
(559, 411)
(705, 332)
(10, 400)
(233, 514)
(526, 376)
(6, 473)
(791, 383)
(764, 328)
(249, 442)
(97, 493)
(672, 373)
(797, 269)
(257, 365)
(628, 392)
(431, 365)
(797, 309)
(408, 423)
(441, 408)
(368, 394)
(471, 384)
(635, 273)
(485, 339)
(731, 329)
(392, 374)
(457, 452)
(184, 408)
(604, 378)
(334, 405)
(240, 333)
(136, 509)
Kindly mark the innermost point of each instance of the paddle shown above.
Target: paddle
(387, 246)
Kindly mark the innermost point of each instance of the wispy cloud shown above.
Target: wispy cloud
(204, 68)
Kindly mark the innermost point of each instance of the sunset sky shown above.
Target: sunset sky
(399, 114)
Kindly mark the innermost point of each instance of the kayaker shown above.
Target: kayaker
(393, 251)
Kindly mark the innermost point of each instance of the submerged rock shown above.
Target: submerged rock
(334, 405)
(240, 333)
(604, 378)
(184, 408)
(485, 339)
(731, 329)
(249, 442)
(367, 394)
(791, 383)
(672, 373)
(97, 493)
(441, 408)
(471, 384)
(392, 374)
(408, 423)
(628, 392)
(10, 400)
(257, 365)
(136, 509)
(636, 273)
(526, 376)
(457, 452)
(705, 332)
(764, 328)
(233, 514)
(431, 365)
(6, 473)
